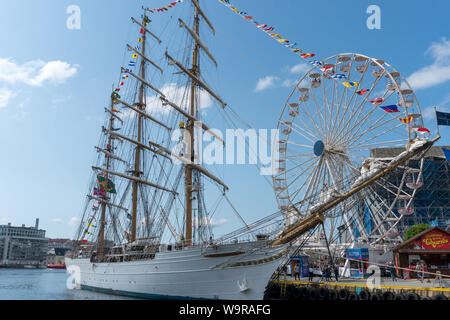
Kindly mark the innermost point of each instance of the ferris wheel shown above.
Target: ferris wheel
(346, 116)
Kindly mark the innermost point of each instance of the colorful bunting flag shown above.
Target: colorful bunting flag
(350, 84)
(376, 101)
(362, 92)
(99, 192)
(324, 69)
(390, 109)
(406, 120)
(307, 55)
(338, 76)
(423, 130)
(315, 63)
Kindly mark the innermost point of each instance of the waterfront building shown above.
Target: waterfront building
(431, 204)
(431, 247)
(22, 247)
(57, 249)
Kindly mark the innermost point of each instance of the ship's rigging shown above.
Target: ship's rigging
(136, 148)
(147, 182)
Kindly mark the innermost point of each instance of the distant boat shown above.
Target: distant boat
(56, 266)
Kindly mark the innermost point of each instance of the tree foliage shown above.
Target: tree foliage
(415, 229)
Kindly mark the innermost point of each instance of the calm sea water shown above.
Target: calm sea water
(43, 284)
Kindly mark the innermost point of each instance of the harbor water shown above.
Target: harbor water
(43, 284)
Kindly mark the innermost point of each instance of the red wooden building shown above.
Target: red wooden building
(431, 246)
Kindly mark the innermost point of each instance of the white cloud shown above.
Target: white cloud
(436, 73)
(300, 68)
(57, 220)
(74, 221)
(5, 96)
(36, 72)
(212, 222)
(179, 96)
(266, 82)
(289, 83)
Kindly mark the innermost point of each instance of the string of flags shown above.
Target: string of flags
(292, 46)
(165, 8)
(132, 62)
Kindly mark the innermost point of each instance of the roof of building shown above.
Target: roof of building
(417, 236)
(435, 151)
(58, 240)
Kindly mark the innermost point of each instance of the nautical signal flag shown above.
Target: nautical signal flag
(134, 55)
(115, 110)
(338, 76)
(443, 118)
(350, 84)
(296, 50)
(392, 108)
(139, 39)
(376, 101)
(362, 92)
(324, 69)
(307, 55)
(406, 120)
(315, 63)
(99, 192)
(423, 130)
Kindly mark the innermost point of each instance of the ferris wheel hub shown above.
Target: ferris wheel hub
(319, 148)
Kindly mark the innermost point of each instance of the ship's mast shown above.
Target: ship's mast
(101, 234)
(190, 128)
(137, 160)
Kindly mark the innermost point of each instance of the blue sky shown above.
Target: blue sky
(55, 83)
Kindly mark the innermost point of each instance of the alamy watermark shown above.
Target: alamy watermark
(74, 279)
(374, 20)
(73, 22)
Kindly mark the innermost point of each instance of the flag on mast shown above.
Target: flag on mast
(443, 118)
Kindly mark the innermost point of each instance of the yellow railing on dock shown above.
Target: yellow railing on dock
(361, 285)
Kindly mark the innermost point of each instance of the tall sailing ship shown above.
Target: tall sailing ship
(139, 186)
(146, 229)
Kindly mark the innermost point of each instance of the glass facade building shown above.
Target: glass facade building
(431, 203)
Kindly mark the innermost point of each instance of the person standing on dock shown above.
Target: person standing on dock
(336, 273)
(311, 273)
(392, 271)
(418, 269)
(297, 272)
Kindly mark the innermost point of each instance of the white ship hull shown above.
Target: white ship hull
(237, 272)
